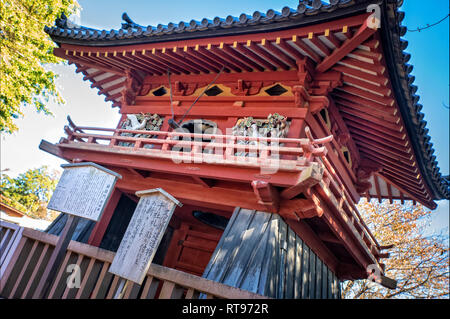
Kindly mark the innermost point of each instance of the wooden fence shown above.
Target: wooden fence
(10, 235)
(29, 251)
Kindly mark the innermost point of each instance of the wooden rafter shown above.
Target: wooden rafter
(363, 33)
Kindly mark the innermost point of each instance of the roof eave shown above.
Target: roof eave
(276, 24)
(393, 47)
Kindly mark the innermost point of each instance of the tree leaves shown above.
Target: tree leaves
(418, 262)
(25, 49)
(30, 191)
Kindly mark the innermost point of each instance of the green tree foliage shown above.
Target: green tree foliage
(25, 49)
(29, 191)
(418, 261)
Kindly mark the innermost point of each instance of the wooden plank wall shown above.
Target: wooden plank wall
(114, 232)
(82, 230)
(260, 253)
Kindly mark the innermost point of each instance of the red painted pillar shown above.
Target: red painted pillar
(101, 226)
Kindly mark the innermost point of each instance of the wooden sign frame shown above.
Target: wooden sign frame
(54, 204)
(137, 248)
(59, 251)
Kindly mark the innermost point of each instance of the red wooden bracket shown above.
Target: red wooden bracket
(267, 195)
(363, 33)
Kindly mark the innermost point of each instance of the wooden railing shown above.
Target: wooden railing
(333, 192)
(32, 252)
(218, 149)
(10, 235)
(336, 192)
(338, 198)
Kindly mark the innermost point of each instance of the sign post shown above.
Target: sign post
(82, 192)
(142, 237)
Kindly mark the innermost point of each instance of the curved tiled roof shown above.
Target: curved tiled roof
(307, 12)
(405, 92)
(131, 33)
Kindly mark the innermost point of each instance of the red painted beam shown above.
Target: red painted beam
(374, 79)
(220, 61)
(298, 42)
(243, 58)
(393, 153)
(334, 112)
(376, 89)
(218, 51)
(100, 227)
(158, 68)
(267, 195)
(83, 61)
(91, 76)
(363, 33)
(155, 61)
(428, 203)
(180, 56)
(168, 62)
(204, 59)
(112, 88)
(333, 39)
(247, 52)
(126, 62)
(142, 62)
(377, 188)
(386, 101)
(320, 46)
(289, 48)
(377, 120)
(290, 76)
(106, 80)
(192, 67)
(340, 228)
(364, 126)
(272, 59)
(365, 102)
(320, 130)
(195, 193)
(374, 69)
(221, 111)
(367, 56)
(279, 53)
(126, 158)
(361, 131)
(385, 161)
(378, 111)
(101, 58)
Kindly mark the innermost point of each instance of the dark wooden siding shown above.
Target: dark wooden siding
(118, 224)
(115, 230)
(82, 231)
(114, 233)
(260, 253)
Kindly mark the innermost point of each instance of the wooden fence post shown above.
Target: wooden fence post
(56, 258)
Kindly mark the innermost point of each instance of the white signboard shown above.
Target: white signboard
(143, 235)
(83, 190)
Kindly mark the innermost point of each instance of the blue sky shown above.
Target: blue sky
(429, 49)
